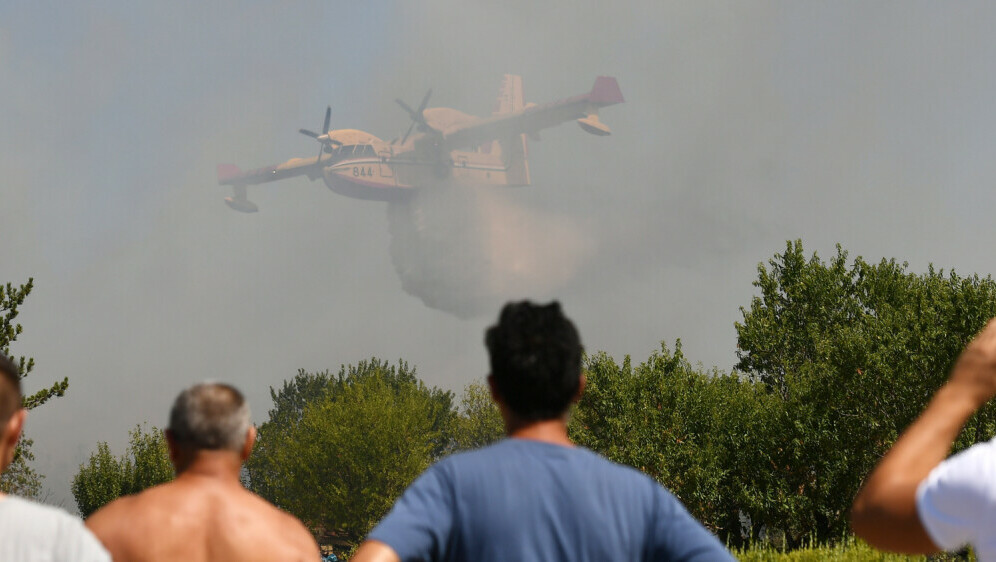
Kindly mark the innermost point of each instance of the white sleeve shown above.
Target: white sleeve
(957, 500)
(79, 544)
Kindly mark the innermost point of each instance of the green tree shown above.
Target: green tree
(105, 477)
(674, 422)
(479, 422)
(98, 482)
(337, 451)
(262, 472)
(835, 359)
(850, 352)
(20, 478)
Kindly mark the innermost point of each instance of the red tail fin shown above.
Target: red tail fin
(605, 91)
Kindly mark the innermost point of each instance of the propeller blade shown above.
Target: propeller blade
(308, 133)
(408, 132)
(416, 115)
(406, 107)
(425, 102)
(328, 119)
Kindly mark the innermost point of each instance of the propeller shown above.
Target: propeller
(416, 115)
(324, 137)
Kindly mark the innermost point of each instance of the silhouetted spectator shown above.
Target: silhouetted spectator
(535, 496)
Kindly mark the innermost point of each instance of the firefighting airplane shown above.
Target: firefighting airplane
(448, 145)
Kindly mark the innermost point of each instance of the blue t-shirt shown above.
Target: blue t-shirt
(529, 500)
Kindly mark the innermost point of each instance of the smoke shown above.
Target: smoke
(465, 249)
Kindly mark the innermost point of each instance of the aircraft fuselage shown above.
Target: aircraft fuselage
(383, 175)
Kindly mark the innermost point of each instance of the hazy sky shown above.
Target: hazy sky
(745, 125)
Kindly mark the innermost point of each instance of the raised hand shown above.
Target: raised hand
(974, 374)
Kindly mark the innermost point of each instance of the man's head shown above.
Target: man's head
(209, 417)
(11, 413)
(535, 360)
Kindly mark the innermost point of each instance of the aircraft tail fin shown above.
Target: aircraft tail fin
(606, 91)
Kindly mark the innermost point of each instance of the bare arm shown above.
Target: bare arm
(375, 551)
(884, 512)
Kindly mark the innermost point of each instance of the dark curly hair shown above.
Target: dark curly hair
(535, 356)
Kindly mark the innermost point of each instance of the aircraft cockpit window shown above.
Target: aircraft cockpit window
(356, 150)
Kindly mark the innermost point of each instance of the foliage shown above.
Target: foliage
(836, 359)
(105, 477)
(479, 422)
(10, 299)
(19, 478)
(98, 482)
(337, 451)
(147, 461)
(263, 473)
(676, 423)
(850, 353)
(848, 550)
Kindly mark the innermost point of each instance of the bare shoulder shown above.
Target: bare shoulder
(283, 524)
(110, 523)
(111, 513)
(128, 511)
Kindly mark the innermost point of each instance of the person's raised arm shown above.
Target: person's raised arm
(884, 512)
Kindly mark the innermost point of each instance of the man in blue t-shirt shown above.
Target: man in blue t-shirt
(535, 496)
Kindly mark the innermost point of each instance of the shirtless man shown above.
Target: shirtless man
(205, 514)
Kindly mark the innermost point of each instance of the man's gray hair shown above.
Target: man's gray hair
(211, 416)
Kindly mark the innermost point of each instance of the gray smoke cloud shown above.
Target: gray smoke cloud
(466, 249)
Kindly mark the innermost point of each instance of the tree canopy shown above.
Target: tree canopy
(680, 425)
(852, 352)
(337, 450)
(479, 422)
(19, 478)
(105, 477)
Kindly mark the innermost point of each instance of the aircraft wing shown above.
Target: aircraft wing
(532, 119)
(230, 174)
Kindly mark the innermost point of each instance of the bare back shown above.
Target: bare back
(198, 518)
